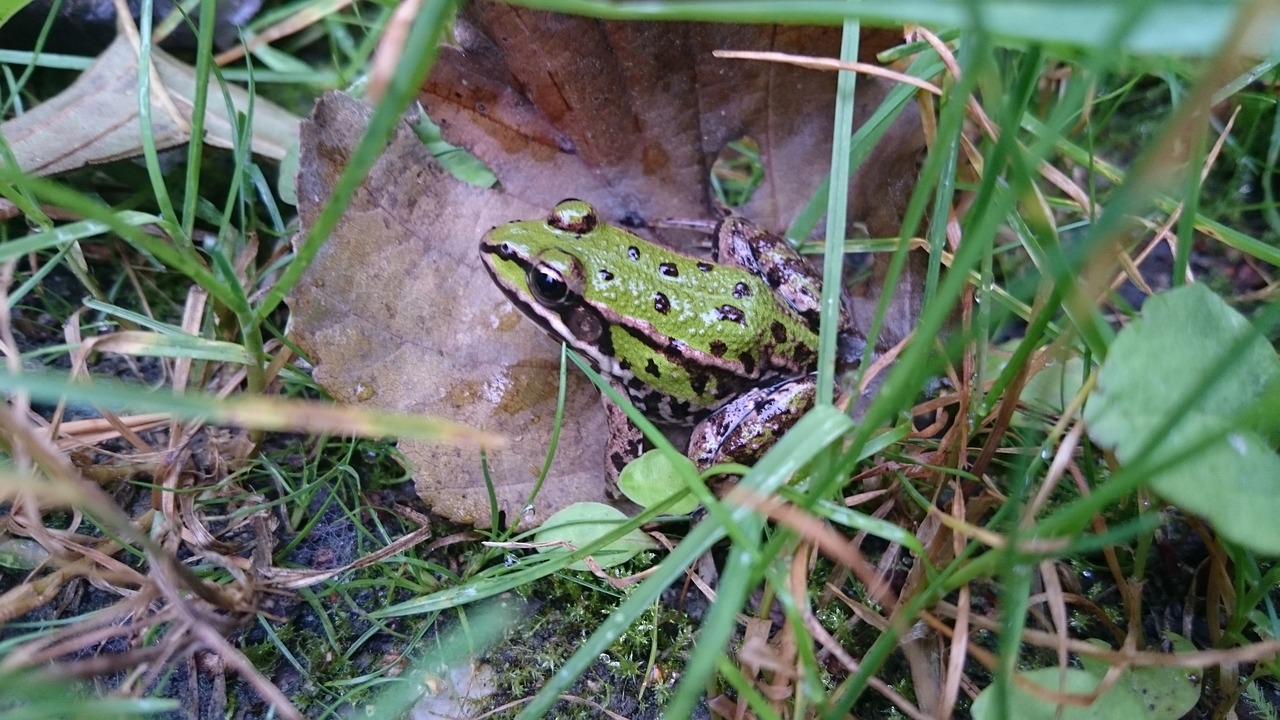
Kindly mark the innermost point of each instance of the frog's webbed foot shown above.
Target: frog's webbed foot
(743, 430)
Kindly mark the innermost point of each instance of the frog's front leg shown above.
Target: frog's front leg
(626, 442)
(743, 430)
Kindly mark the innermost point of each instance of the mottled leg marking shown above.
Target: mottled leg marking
(772, 259)
(626, 442)
(743, 430)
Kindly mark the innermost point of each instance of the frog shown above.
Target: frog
(726, 345)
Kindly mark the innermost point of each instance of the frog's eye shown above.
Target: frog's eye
(547, 285)
(573, 216)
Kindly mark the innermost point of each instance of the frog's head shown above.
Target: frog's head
(541, 260)
(534, 264)
(531, 270)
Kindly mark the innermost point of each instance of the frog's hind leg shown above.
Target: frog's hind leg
(746, 428)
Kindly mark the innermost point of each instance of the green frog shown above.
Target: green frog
(728, 346)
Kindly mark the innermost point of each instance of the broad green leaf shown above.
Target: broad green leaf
(1168, 692)
(1141, 693)
(583, 523)
(9, 8)
(1077, 682)
(1128, 699)
(1151, 368)
(650, 479)
(1054, 386)
(21, 553)
(1050, 389)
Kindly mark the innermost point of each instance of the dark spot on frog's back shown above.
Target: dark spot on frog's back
(669, 270)
(605, 275)
(741, 290)
(652, 368)
(779, 332)
(732, 314)
(748, 363)
(633, 252)
(803, 356)
(661, 303)
(698, 381)
(705, 266)
(678, 412)
(718, 348)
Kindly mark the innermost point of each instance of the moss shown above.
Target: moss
(564, 610)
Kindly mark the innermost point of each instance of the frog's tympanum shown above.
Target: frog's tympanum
(729, 346)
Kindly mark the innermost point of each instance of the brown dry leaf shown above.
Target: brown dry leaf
(631, 115)
(397, 310)
(95, 120)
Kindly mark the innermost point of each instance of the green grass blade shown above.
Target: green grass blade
(250, 412)
(1189, 27)
(195, 148)
(146, 95)
(833, 259)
